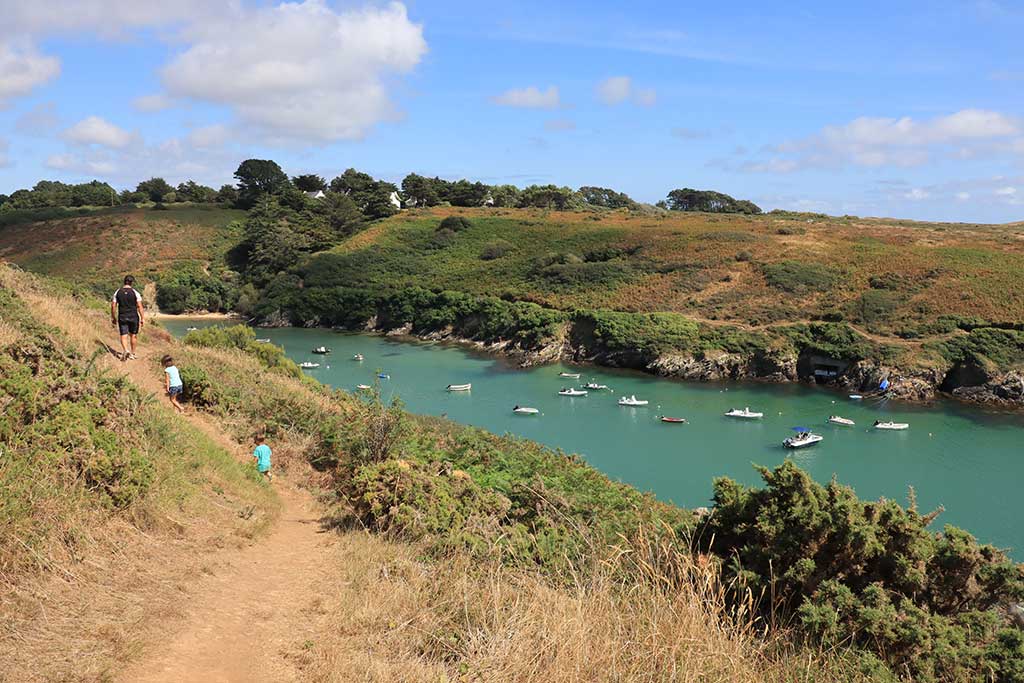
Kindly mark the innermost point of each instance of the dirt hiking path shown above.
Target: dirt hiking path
(240, 620)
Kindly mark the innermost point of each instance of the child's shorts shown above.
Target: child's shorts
(174, 391)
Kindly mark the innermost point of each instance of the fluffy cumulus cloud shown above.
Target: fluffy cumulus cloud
(23, 68)
(97, 131)
(40, 120)
(151, 103)
(529, 98)
(619, 89)
(299, 71)
(902, 142)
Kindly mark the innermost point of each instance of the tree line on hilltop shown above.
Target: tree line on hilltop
(373, 198)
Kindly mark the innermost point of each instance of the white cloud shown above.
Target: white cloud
(151, 103)
(22, 69)
(904, 142)
(555, 125)
(97, 131)
(107, 17)
(300, 71)
(1006, 191)
(963, 196)
(76, 164)
(618, 89)
(529, 98)
(209, 136)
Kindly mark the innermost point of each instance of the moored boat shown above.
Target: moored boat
(855, 397)
(569, 375)
(306, 365)
(459, 387)
(191, 328)
(322, 350)
(746, 413)
(363, 387)
(381, 375)
(803, 438)
(896, 426)
(264, 340)
(632, 401)
(674, 420)
(837, 420)
(594, 386)
(571, 392)
(357, 357)
(524, 410)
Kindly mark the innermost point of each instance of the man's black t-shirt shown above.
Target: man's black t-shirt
(127, 304)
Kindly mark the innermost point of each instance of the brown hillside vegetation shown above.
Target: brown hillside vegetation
(185, 587)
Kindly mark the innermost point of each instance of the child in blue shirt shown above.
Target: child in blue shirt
(262, 454)
(172, 382)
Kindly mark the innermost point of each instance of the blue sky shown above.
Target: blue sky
(915, 110)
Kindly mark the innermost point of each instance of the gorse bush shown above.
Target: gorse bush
(930, 605)
(799, 277)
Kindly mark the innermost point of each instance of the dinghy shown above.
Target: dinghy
(459, 387)
(803, 438)
(890, 425)
(263, 341)
(855, 397)
(191, 328)
(363, 387)
(746, 413)
(674, 420)
(594, 386)
(322, 350)
(632, 401)
(572, 392)
(569, 375)
(523, 410)
(306, 365)
(358, 357)
(383, 376)
(837, 420)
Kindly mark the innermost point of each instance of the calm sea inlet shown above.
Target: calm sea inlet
(968, 459)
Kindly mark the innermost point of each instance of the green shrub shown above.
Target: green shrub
(495, 250)
(454, 224)
(744, 256)
(798, 277)
(791, 230)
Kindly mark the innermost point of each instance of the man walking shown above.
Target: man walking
(126, 314)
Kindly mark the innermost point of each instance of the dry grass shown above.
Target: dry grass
(388, 616)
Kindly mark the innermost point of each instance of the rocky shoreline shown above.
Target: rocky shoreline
(1004, 390)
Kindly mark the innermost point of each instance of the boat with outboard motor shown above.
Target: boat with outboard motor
(632, 401)
(746, 413)
(837, 420)
(459, 387)
(893, 426)
(524, 410)
(571, 392)
(804, 437)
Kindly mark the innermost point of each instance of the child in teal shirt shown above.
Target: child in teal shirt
(172, 382)
(262, 454)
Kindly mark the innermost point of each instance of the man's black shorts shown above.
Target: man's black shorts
(128, 326)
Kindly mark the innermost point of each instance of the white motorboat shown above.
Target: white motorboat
(572, 392)
(746, 413)
(594, 386)
(191, 328)
(363, 387)
(264, 340)
(855, 397)
(569, 375)
(306, 365)
(632, 401)
(891, 425)
(459, 387)
(358, 357)
(523, 410)
(802, 438)
(322, 350)
(837, 420)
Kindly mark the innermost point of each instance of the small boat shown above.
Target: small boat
(322, 350)
(803, 438)
(191, 328)
(523, 410)
(745, 413)
(890, 425)
(264, 340)
(306, 365)
(837, 420)
(674, 420)
(459, 387)
(632, 401)
(358, 357)
(383, 376)
(363, 387)
(569, 375)
(594, 386)
(572, 392)
(855, 397)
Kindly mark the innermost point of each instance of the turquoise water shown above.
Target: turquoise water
(967, 459)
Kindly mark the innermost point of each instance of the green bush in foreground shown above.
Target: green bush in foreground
(930, 605)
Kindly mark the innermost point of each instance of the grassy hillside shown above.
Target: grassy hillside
(96, 249)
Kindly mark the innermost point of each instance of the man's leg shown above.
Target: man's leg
(124, 347)
(135, 338)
